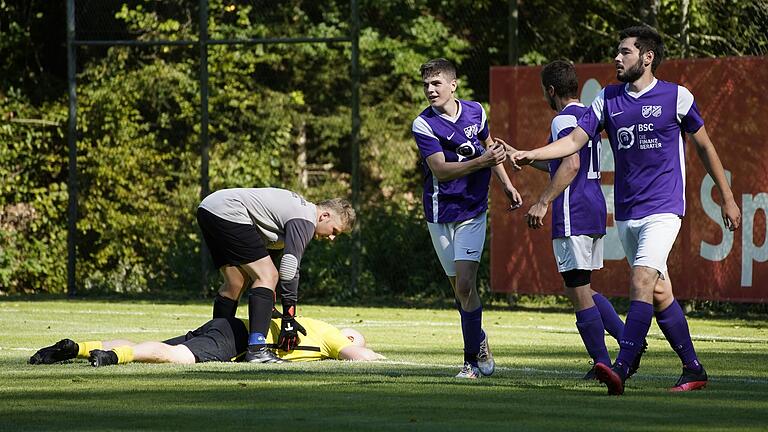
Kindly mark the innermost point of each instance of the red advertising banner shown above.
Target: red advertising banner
(707, 261)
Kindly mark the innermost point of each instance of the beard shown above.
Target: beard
(551, 102)
(632, 74)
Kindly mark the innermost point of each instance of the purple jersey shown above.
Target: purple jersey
(580, 209)
(459, 140)
(645, 131)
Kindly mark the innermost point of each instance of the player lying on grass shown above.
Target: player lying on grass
(220, 339)
(240, 227)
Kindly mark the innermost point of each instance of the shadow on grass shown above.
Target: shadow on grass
(364, 397)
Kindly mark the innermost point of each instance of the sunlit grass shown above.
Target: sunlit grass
(537, 385)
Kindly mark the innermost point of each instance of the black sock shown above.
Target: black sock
(260, 303)
(224, 307)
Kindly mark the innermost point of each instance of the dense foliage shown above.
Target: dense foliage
(280, 116)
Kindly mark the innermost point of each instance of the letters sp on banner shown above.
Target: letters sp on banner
(750, 252)
(750, 205)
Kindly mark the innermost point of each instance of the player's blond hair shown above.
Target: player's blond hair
(355, 336)
(343, 209)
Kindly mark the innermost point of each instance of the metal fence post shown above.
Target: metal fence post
(72, 144)
(355, 141)
(684, 27)
(203, 42)
(512, 55)
(204, 144)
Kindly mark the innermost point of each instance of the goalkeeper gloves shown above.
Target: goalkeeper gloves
(289, 329)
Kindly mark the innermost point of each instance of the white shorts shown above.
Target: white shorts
(582, 252)
(648, 241)
(458, 241)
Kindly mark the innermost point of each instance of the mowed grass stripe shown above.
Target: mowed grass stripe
(537, 385)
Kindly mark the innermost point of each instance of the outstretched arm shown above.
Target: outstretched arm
(708, 155)
(561, 148)
(514, 197)
(356, 353)
(563, 177)
(539, 165)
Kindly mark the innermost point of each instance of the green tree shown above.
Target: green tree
(279, 116)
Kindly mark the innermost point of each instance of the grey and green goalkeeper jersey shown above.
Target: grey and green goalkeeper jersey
(284, 219)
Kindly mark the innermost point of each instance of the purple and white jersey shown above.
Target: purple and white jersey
(580, 209)
(459, 138)
(645, 132)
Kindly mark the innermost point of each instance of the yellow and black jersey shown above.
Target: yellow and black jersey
(323, 341)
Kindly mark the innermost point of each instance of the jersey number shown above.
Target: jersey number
(594, 161)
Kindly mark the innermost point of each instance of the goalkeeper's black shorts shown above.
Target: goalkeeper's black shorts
(220, 339)
(230, 243)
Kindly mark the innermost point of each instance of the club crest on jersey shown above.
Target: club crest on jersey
(651, 110)
(625, 137)
(466, 150)
(471, 131)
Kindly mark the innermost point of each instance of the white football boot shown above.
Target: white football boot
(485, 361)
(469, 372)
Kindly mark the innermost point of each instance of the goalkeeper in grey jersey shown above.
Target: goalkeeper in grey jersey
(239, 226)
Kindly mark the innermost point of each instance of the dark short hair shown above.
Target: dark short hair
(648, 39)
(436, 66)
(561, 75)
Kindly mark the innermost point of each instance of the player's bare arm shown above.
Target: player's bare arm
(446, 171)
(563, 177)
(708, 155)
(356, 353)
(561, 148)
(515, 199)
(539, 165)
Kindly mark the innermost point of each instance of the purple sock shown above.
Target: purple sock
(592, 332)
(675, 328)
(472, 331)
(635, 330)
(611, 320)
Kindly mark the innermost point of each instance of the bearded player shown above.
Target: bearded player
(646, 120)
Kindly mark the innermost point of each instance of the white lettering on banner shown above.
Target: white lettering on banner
(612, 249)
(709, 251)
(606, 157)
(750, 204)
(750, 252)
(589, 91)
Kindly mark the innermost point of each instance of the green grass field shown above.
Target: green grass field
(537, 384)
